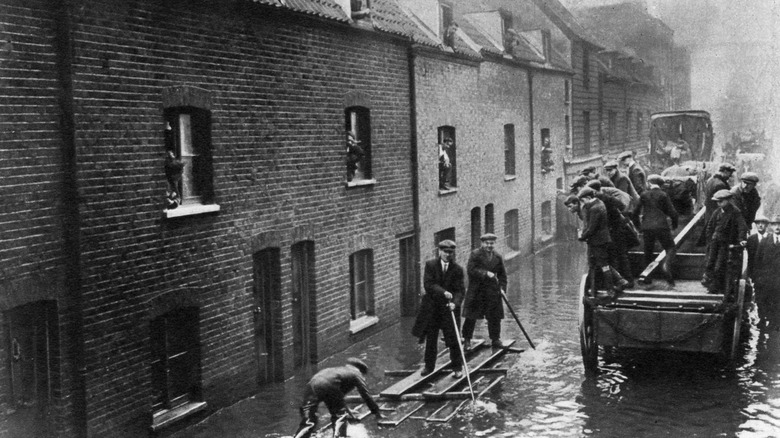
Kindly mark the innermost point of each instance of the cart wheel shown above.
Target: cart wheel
(588, 345)
(737, 328)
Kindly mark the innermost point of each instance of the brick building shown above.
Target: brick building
(124, 314)
(487, 78)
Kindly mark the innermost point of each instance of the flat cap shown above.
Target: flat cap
(655, 179)
(775, 219)
(749, 177)
(579, 181)
(594, 184)
(587, 191)
(722, 195)
(571, 199)
(589, 169)
(488, 236)
(611, 164)
(359, 364)
(447, 245)
(625, 154)
(727, 167)
(761, 218)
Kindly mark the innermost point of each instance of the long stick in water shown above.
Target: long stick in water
(517, 320)
(462, 354)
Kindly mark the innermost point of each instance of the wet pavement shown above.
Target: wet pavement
(546, 392)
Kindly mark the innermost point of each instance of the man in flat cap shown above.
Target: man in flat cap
(653, 215)
(330, 386)
(759, 267)
(591, 174)
(595, 232)
(725, 235)
(487, 280)
(718, 181)
(746, 197)
(634, 171)
(444, 290)
(620, 181)
(768, 295)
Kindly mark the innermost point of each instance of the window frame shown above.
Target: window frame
(546, 217)
(192, 144)
(586, 134)
(361, 301)
(443, 132)
(510, 150)
(476, 227)
(361, 116)
(490, 218)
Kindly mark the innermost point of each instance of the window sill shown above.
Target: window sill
(190, 210)
(451, 190)
(362, 323)
(165, 418)
(510, 177)
(361, 183)
(510, 255)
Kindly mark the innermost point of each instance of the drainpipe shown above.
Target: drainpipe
(532, 164)
(414, 163)
(63, 45)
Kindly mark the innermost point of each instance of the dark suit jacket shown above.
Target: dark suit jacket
(330, 385)
(595, 228)
(433, 303)
(715, 183)
(759, 256)
(652, 210)
(483, 298)
(747, 202)
(623, 183)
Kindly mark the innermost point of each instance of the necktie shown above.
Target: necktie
(446, 265)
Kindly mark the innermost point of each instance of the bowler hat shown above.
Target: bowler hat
(655, 179)
(761, 218)
(775, 219)
(625, 154)
(722, 195)
(726, 167)
(359, 364)
(488, 236)
(447, 245)
(611, 164)
(587, 191)
(749, 177)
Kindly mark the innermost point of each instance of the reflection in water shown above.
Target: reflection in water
(637, 393)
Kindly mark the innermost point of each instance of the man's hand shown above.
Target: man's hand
(451, 305)
(447, 295)
(490, 274)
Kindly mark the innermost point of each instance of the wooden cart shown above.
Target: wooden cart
(684, 317)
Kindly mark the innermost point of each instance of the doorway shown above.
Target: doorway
(302, 302)
(267, 295)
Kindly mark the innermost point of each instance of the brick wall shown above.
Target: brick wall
(278, 86)
(584, 99)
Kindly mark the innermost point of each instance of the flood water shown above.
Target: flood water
(546, 392)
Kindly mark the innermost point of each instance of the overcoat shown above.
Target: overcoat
(483, 298)
(433, 306)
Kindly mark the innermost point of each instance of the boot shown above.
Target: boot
(619, 283)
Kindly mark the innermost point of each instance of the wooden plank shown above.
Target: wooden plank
(448, 411)
(428, 409)
(483, 357)
(408, 383)
(679, 239)
(402, 411)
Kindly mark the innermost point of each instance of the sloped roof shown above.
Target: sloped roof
(320, 8)
(387, 16)
(566, 21)
(478, 37)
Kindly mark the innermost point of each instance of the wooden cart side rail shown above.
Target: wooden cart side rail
(681, 237)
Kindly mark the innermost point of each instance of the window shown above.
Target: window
(490, 220)
(445, 234)
(506, 22)
(476, 227)
(586, 132)
(509, 149)
(361, 268)
(566, 95)
(628, 125)
(612, 126)
(585, 68)
(358, 150)
(639, 125)
(567, 129)
(546, 152)
(447, 25)
(547, 217)
(448, 158)
(188, 137)
(175, 359)
(358, 9)
(512, 230)
(547, 44)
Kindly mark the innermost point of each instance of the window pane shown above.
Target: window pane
(185, 135)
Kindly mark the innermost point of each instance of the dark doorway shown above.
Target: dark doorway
(267, 293)
(409, 280)
(302, 306)
(32, 340)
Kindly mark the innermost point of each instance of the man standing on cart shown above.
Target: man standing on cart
(595, 232)
(725, 235)
(653, 215)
